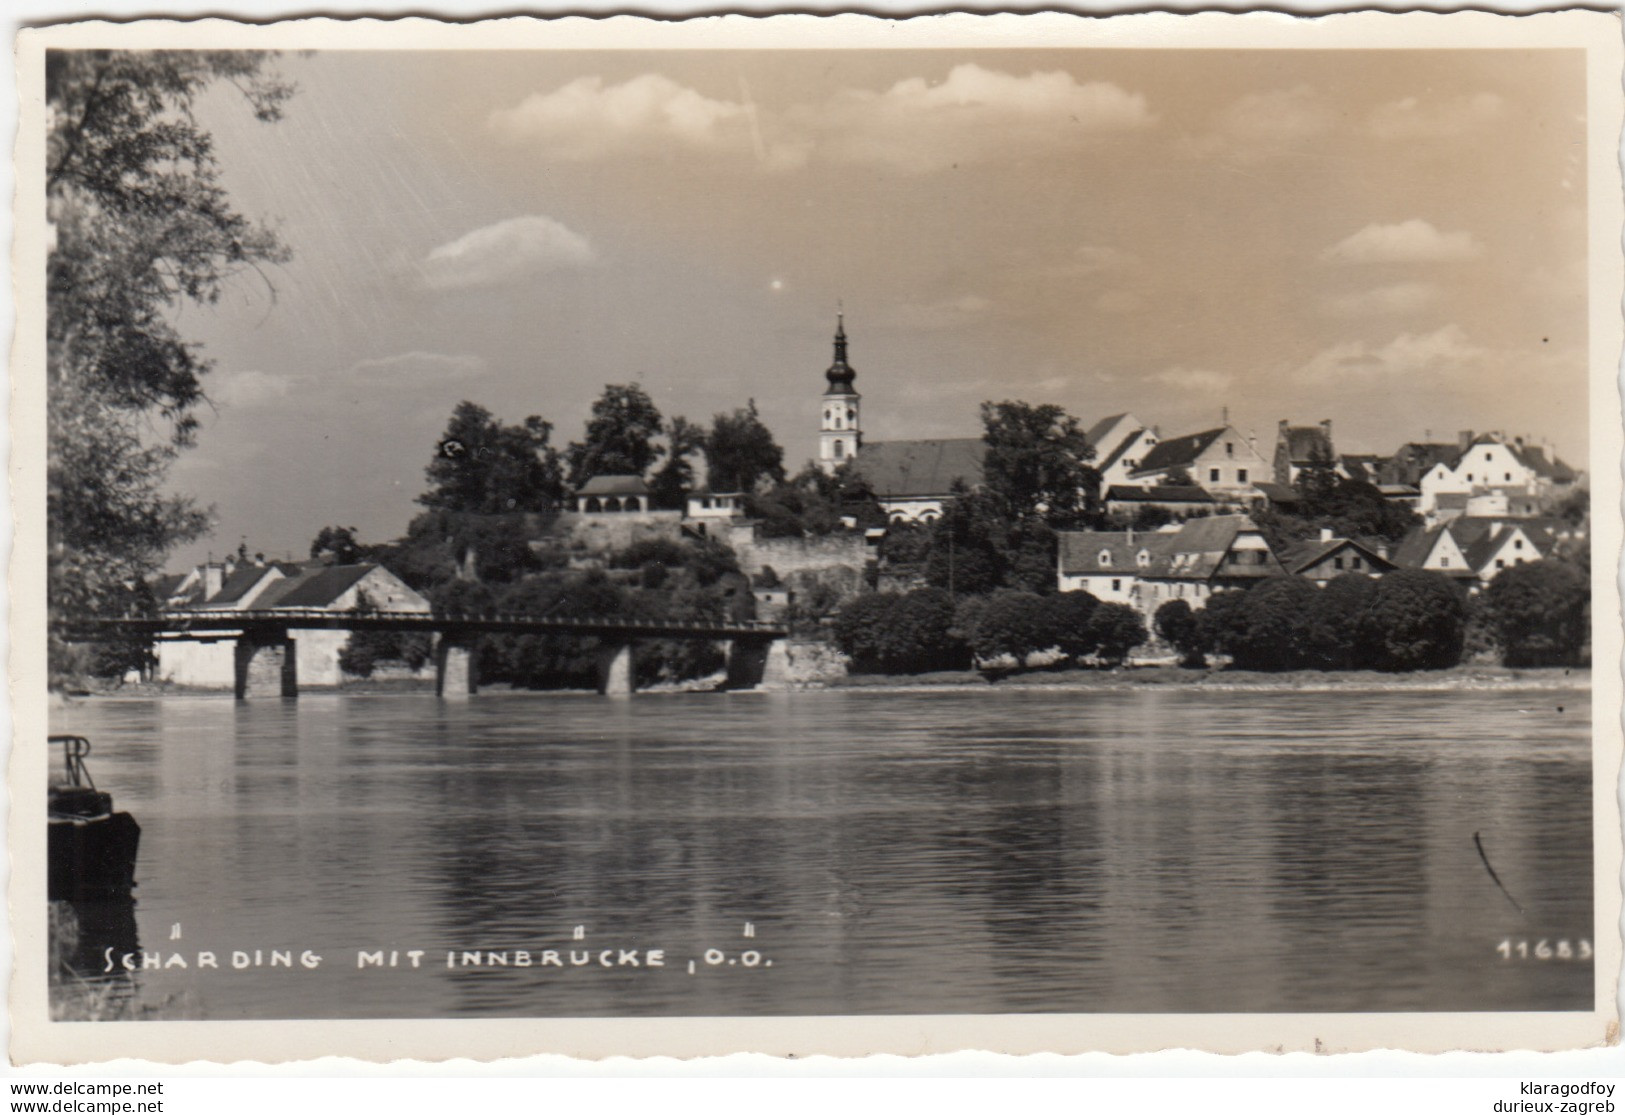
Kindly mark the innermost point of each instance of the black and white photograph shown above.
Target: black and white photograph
(1081, 535)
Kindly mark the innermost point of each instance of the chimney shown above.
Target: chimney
(1252, 441)
(1131, 537)
(1464, 439)
(1326, 428)
(214, 576)
(1280, 428)
(1382, 550)
(1325, 534)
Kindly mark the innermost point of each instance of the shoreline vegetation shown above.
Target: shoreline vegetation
(1467, 677)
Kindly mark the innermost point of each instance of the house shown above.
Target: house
(1146, 569)
(913, 480)
(1120, 442)
(1206, 556)
(1106, 564)
(1474, 549)
(211, 663)
(609, 494)
(1493, 476)
(1406, 467)
(1221, 461)
(1327, 557)
(1301, 447)
(715, 505)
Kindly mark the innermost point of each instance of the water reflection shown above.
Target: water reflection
(931, 852)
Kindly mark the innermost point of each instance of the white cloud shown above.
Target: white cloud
(418, 368)
(1413, 241)
(248, 389)
(1396, 298)
(587, 119)
(1436, 117)
(1444, 352)
(1194, 379)
(972, 115)
(509, 251)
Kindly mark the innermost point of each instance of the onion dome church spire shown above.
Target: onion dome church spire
(840, 374)
(839, 435)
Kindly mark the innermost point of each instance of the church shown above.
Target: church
(912, 480)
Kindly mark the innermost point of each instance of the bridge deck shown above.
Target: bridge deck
(490, 623)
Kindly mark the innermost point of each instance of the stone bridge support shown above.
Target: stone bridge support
(615, 670)
(758, 664)
(456, 667)
(266, 666)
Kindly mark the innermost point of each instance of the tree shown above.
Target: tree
(1014, 623)
(142, 226)
(1417, 621)
(620, 436)
(916, 634)
(858, 626)
(1274, 633)
(1539, 610)
(1072, 611)
(1116, 629)
(482, 467)
(740, 452)
(1339, 627)
(1177, 625)
(969, 543)
(339, 543)
(676, 476)
(1036, 460)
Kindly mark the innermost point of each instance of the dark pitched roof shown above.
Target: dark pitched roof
(1158, 493)
(1411, 460)
(1305, 443)
(1315, 552)
(314, 588)
(614, 486)
(1362, 466)
(1534, 456)
(1080, 550)
(165, 584)
(899, 469)
(1476, 536)
(1414, 549)
(1196, 552)
(237, 585)
(1179, 452)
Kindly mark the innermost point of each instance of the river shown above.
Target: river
(848, 852)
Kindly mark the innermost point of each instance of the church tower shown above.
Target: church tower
(839, 435)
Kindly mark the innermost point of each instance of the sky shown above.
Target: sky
(1392, 239)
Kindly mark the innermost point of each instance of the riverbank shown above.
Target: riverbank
(1152, 677)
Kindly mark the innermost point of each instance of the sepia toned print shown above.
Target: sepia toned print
(817, 535)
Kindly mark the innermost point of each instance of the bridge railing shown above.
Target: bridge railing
(291, 617)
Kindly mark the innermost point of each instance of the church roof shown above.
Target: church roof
(840, 373)
(899, 469)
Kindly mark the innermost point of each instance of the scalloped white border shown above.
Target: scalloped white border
(34, 1039)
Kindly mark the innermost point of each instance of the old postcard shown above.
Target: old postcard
(816, 535)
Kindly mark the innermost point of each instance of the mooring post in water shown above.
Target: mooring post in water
(456, 670)
(615, 670)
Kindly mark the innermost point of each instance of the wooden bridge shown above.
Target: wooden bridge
(266, 641)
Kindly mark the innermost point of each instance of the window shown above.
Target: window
(839, 448)
(1213, 475)
(1241, 476)
(1487, 456)
(1444, 561)
(1229, 449)
(1105, 557)
(1509, 476)
(1499, 564)
(1517, 543)
(1179, 590)
(1355, 563)
(1337, 563)
(1233, 558)
(1117, 585)
(1143, 558)
(1469, 478)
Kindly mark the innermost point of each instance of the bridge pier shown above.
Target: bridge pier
(615, 670)
(265, 668)
(758, 664)
(456, 669)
